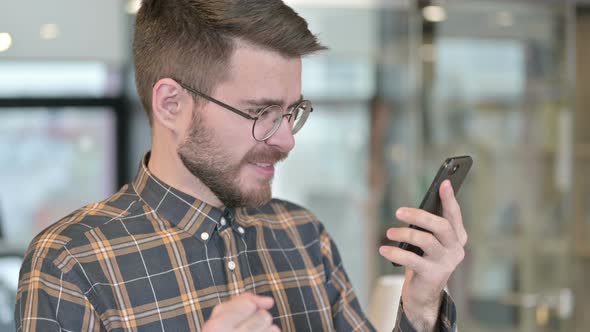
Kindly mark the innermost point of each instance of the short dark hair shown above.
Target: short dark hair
(193, 40)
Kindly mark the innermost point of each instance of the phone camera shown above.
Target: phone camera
(454, 169)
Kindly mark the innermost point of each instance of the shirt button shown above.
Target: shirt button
(241, 230)
(231, 265)
(222, 221)
(204, 236)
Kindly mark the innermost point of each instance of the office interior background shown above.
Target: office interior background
(405, 84)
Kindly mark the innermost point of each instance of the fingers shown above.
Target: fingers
(452, 211)
(440, 227)
(426, 241)
(232, 313)
(443, 248)
(263, 302)
(274, 328)
(405, 258)
(261, 321)
(449, 228)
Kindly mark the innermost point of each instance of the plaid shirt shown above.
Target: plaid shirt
(151, 258)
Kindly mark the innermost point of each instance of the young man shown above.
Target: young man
(195, 242)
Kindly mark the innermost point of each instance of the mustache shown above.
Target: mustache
(265, 155)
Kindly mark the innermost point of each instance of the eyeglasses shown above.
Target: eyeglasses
(267, 120)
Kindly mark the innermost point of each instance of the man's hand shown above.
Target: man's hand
(245, 313)
(427, 276)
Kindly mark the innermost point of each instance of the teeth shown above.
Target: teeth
(263, 165)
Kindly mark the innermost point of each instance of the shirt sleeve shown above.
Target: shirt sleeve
(347, 314)
(447, 318)
(346, 310)
(50, 300)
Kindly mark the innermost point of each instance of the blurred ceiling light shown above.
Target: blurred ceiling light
(434, 13)
(133, 6)
(5, 41)
(49, 31)
(505, 19)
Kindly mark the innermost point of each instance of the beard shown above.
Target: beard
(215, 168)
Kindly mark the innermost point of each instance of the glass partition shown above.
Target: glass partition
(52, 161)
(499, 87)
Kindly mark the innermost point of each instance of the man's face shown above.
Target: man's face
(219, 148)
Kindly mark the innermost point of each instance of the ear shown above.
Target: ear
(171, 106)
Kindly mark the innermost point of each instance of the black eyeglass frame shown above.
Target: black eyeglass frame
(248, 116)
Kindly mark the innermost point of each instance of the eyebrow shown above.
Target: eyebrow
(270, 101)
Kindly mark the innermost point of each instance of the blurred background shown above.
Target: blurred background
(406, 84)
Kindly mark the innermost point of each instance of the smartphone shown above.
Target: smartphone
(454, 169)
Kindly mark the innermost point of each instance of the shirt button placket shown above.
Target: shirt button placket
(231, 266)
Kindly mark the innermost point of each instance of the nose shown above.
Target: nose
(283, 139)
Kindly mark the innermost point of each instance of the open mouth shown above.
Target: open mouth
(264, 164)
(266, 169)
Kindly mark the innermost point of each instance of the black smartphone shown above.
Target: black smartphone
(454, 169)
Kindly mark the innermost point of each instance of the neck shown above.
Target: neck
(166, 165)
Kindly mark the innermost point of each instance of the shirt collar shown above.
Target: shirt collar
(186, 212)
